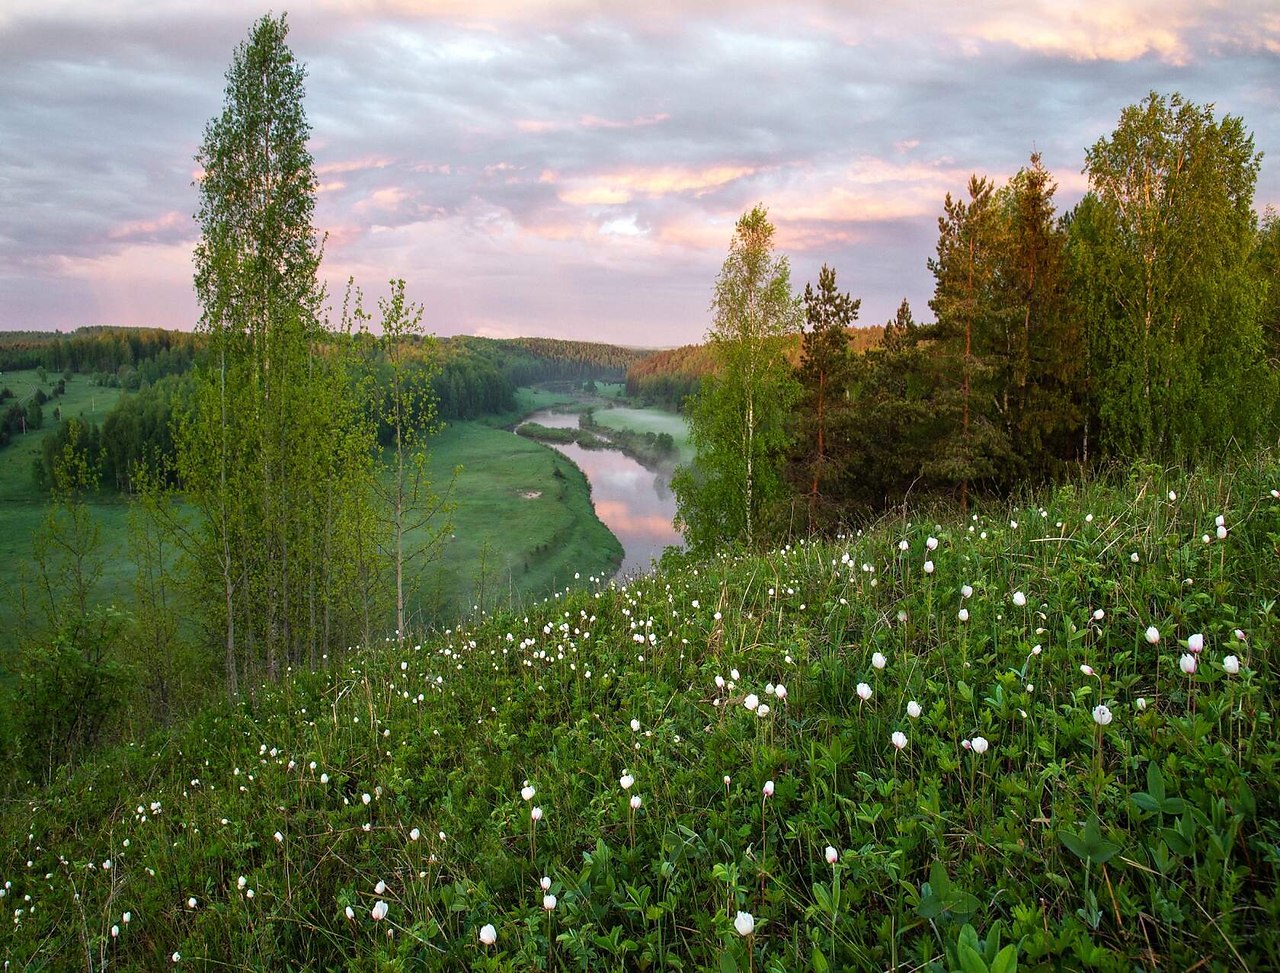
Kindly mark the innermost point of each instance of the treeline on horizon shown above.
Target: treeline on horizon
(1143, 325)
(469, 377)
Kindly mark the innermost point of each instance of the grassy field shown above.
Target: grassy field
(507, 545)
(1038, 736)
(650, 420)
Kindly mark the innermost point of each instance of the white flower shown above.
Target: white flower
(745, 922)
(903, 546)
(1101, 714)
(878, 660)
(763, 711)
(914, 710)
(488, 935)
(1099, 615)
(1134, 557)
(127, 918)
(191, 902)
(548, 901)
(899, 739)
(1019, 599)
(780, 691)
(931, 543)
(928, 567)
(625, 781)
(177, 957)
(351, 913)
(1087, 670)
(279, 837)
(115, 931)
(241, 882)
(415, 834)
(864, 691)
(1187, 663)
(966, 591)
(1141, 703)
(1172, 495)
(1196, 643)
(379, 911)
(979, 745)
(767, 790)
(1220, 521)
(365, 798)
(635, 726)
(527, 792)
(635, 802)
(963, 614)
(719, 682)
(545, 883)
(380, 887)
(1231, 664)
(536, 814)
(832, 855)
(733, 674)
(1153, 635)
(752, 701)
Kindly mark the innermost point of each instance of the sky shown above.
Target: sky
(574, 169)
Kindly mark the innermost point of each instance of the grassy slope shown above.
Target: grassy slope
(1148, 842)
(650, 420)
(534, 546)
(23, 507)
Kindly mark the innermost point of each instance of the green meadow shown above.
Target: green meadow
(1037, 737)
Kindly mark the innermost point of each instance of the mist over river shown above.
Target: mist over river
(636, 504)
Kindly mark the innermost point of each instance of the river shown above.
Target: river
(636, 504)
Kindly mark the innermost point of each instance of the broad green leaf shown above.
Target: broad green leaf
(970, 960)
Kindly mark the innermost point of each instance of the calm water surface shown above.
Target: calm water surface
(634, 503)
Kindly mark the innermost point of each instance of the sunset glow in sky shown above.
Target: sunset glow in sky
(574, 169)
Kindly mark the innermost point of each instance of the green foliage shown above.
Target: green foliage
(1061, 844)
(737, 419)
(1163, 262)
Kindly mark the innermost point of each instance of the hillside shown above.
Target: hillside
(1043, 735)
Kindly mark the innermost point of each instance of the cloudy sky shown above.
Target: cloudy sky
(572, 168)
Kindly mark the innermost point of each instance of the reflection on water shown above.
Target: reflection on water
(635, 503)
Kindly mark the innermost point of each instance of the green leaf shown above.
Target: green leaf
(1006, 960)
(970, 960)
(818, 961)
(727, 963)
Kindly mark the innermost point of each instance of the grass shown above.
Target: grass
(506, 546)
(650, 420)
(1014, 826)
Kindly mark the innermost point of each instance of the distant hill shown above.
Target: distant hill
(668, 377)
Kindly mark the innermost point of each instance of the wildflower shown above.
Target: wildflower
(963, 614)
(1231, 664)
(1134, 557)
(752, 701)
(719, 682)
(379, 911)
(914, 710)
(415, 834)
(763, 710)
(979, 745)
(1141, 703)
(1101, 714)
(966, 591)
(279, 838)
(878, 660)
(365, 798)
(899, 739)
(488, 935)
(127, 918)
(1239, 634)
(1187, 663)
(767, 790)
(635, 726)
(635, 802)
(903, 546)
(548, 901)
(1172, 495)
(545, 883)
(115, 931)
(177, 957)
(1153, 635)
(832, 855)
(191, 902)
(527, 792)
(745, 922)
(928, 567)
(1087, 670)
(1019, 599)
(864, 691)
(351, 913)
(536, 814)
(1196, 643)
(626, 780)
(1099, 615)
(780, 691)
(931, 543)
(241, 882)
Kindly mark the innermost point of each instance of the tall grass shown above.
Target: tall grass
(753, 702)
